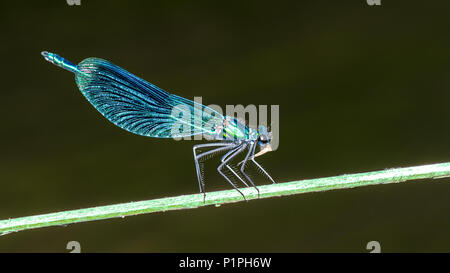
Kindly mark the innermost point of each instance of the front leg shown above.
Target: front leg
(251, 156)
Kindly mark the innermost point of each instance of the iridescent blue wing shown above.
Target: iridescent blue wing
(139, 106)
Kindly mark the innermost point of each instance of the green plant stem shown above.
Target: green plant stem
(227, 196)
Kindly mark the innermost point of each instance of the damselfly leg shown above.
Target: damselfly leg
(262, 170)
(233, 155)
(232, 150)
(251, 151)
(231, 169)
(251, 157)
(222, 147)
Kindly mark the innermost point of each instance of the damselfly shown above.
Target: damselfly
(145, 109)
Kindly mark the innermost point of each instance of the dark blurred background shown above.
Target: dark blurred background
(360, 88)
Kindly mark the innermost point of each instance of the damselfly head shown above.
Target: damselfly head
(264, 139)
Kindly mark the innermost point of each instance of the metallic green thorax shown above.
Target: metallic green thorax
(233, 129)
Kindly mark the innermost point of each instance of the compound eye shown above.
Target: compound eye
(263, 139)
